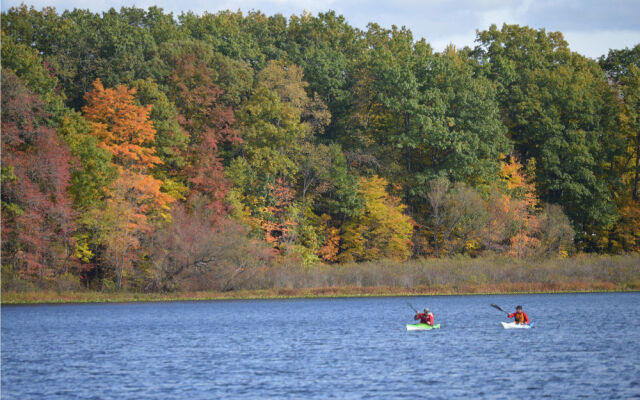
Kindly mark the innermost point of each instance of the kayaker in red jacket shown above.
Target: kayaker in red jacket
(520, 317)
(425, 318)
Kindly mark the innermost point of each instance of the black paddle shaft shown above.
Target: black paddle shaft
(497, 307)
(413, 308)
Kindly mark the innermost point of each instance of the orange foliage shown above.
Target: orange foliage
(521, 204)
(331, 246)
(123, 127)
(126, 131)
(144, 192)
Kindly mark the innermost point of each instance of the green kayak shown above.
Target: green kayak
(422, 327)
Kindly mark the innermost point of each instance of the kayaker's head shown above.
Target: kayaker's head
(519, 309)
(426, 311)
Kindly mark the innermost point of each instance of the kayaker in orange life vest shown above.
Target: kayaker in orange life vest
(520, 317)
(425, 318)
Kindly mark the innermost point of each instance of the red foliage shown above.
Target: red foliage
(209, 123)
(37, 211)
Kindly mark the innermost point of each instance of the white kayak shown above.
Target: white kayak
(513, 325)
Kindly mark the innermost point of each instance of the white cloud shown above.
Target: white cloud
(460, 41)
(513, 13)
(597, 43)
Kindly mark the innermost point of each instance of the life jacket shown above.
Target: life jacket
(519, 317)
(426, 318)
(431, 317)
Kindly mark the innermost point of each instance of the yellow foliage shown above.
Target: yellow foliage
(382, 230)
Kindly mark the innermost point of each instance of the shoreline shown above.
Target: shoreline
(89, 297)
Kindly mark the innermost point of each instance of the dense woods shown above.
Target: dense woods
(154, 152)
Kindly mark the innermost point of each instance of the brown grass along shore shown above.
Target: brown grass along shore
(52, 297)
(446, 276)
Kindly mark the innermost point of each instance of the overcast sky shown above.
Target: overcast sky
(591, 27)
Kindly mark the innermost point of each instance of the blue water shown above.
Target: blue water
(583, 346)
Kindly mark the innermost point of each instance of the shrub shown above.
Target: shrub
(194, 254)
(66, 283)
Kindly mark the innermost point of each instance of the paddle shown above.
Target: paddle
(412, 307)
(497, 307)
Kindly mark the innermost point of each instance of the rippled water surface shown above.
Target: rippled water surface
(583, 346)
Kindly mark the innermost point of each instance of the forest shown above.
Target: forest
(145, 151)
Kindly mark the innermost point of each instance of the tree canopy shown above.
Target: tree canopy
(305, 139)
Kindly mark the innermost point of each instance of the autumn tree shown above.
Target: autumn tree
(272, 136)
(209, 124)
(457, 216)
(135, 199)
(287, 80)
(625, 235)
(522, 205)
(233, 77)
(437, 195)
(273, 122)
(382, 230)
(30, 67)
(37, 217)
(498, 227)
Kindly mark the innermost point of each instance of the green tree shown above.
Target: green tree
(272, 134)
(425, 115)
(95, 173)
(623, 68)
(328, 49)
(561, 112)
(461, 136)
(342, 199)
(27, 64)
(226, 33)
(171, 140)
(265, 166)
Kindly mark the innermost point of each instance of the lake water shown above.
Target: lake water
(583, 346)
